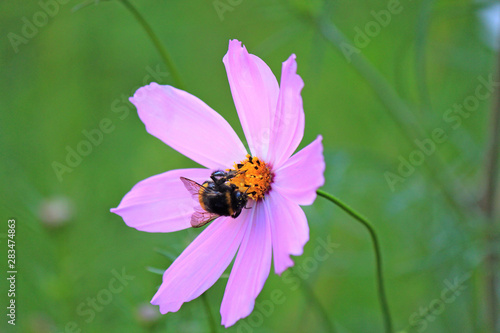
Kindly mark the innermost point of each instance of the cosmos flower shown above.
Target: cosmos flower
(277, 183)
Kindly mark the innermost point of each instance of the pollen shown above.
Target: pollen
(253, 177)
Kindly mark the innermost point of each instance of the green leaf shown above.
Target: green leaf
(167, 254)
(156, 270)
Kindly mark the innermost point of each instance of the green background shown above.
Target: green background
(82, 66)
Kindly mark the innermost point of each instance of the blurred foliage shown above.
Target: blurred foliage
(81, 67)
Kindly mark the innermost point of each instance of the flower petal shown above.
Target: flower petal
(188, 125)
(302, 174)
(289, 229)
(201, 264)
(255, 92)
(289, 121)
(250, 270)
(161, 203)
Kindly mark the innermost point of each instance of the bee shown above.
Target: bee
(217, 197)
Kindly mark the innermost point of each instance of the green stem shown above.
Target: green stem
(489, 203)
(378, 255)
(315, 301)
(397, 109)
(400, 113)
(157, 43)
(211, 319)
(422, 30)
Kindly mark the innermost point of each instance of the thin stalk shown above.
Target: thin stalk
(211, 319)
(309, 293)
(397, 109)
(400, 113)
(488, 201)
(378, 255)
(422, 29)
(157, 43)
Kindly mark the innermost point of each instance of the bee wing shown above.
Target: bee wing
(193, 187)
(201, 217)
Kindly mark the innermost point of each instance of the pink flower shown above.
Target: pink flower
(275, 226)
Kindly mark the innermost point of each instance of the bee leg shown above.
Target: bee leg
(235, 215)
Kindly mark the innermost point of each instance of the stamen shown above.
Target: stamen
(254, 177)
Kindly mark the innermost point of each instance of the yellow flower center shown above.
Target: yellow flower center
(253, 178)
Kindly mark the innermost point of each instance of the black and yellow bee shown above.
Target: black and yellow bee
(217, 197)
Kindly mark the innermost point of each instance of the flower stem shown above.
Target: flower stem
(399, 111)
(157, 43)
(378, 255)
(488, 204)
(211, 320)
(309, 293)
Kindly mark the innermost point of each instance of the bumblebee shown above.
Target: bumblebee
(217, 197)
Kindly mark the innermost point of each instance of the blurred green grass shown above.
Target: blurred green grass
(82, 64)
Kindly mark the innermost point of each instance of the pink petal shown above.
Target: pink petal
(289, 121)
(289, 229)
(250, 270)
(302, 174)
(161, 203)
(255, 92)
(188, 125)
(201, 264)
